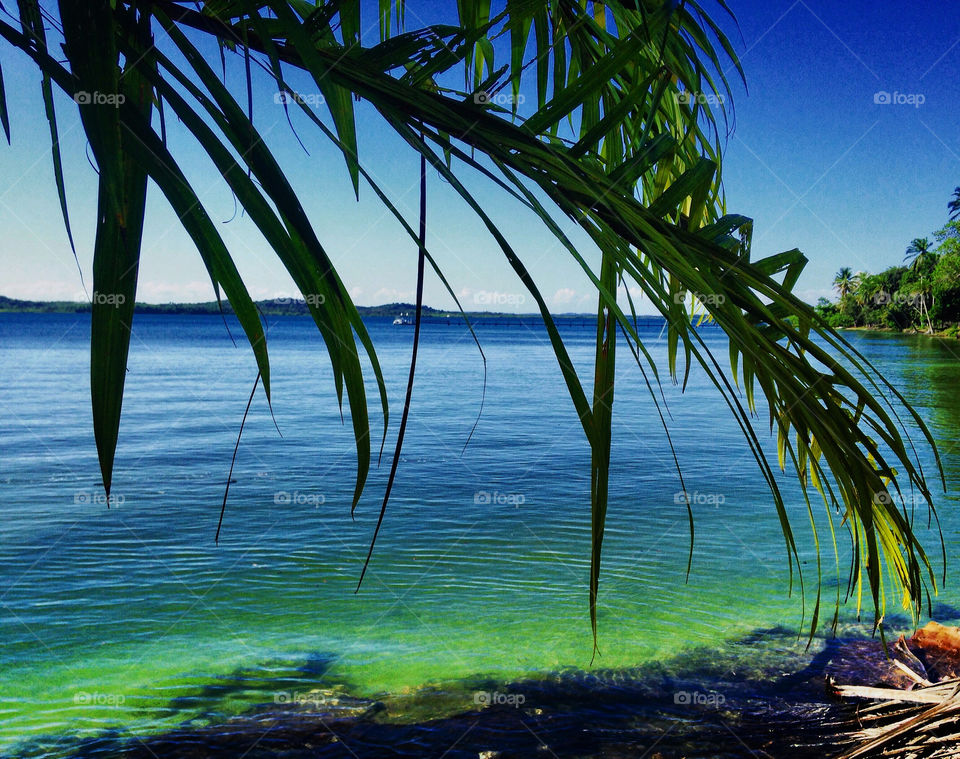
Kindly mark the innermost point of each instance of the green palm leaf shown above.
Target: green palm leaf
(624, 139)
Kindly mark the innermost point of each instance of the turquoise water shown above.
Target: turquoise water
(130, 619)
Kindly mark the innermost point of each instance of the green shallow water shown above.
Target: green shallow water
(132, 620)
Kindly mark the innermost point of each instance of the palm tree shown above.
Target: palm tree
(845, 282)
(920, 253)
(611, 140)
(954, 205)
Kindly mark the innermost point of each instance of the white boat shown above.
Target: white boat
(403, 320)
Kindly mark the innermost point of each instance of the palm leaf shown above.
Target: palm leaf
(121, 201)
(4, 115)
(616, 143)
(32, 22)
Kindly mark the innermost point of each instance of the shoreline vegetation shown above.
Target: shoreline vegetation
(921, 296)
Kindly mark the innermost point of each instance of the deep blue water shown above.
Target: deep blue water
(131, 619)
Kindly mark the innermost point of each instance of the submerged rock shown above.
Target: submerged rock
(865, 662)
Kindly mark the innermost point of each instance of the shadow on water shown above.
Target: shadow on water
(762, 696)
(246, 682)
(287, 684)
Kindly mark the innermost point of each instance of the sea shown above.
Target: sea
(122, 619)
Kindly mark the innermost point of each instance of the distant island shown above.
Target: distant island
(271, 307)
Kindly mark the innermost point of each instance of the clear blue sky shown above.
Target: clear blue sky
(813, 159)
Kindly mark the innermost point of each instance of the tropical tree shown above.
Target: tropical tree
(945, 289)
(954, 205)
(948, 238)
(622, 136)
(919, 251)
(945, 278)
(922, 257)
(845, 281)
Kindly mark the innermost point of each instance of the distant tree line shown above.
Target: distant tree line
(272, 307)
(923, 294)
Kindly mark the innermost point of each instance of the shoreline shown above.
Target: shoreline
(950, 333)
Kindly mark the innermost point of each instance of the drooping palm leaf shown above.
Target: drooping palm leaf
(624, 139)
(4, 115)
(31, 21)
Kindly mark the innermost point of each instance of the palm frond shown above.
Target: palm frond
(624, 138)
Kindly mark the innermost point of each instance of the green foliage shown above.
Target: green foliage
(948, 238)
(832, 314)
(945, 287)
(623, 141)
(922, 296)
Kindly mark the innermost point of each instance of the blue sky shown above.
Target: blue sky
(814, 159)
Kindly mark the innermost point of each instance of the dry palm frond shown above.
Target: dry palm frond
(915, 724)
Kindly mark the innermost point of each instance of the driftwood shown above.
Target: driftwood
(921, 721)
(928, 695)
(929, 726)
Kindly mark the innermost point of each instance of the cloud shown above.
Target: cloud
(392, 295)
(176, 292)
(45, 290)
(811, 296)
(564, 295)
(634, 292)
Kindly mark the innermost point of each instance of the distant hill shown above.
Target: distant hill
(41, 307)
(272, 307)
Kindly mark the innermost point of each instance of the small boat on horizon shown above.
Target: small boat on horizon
(403, 320)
